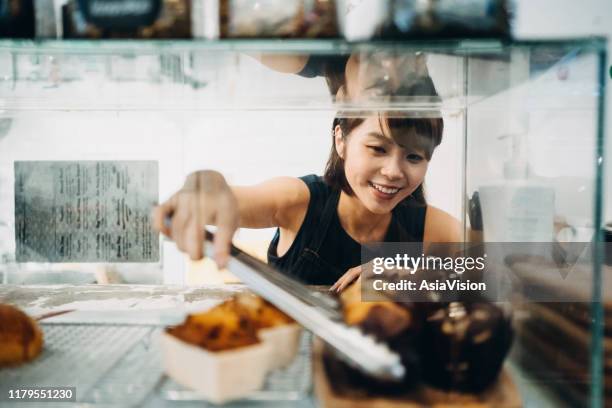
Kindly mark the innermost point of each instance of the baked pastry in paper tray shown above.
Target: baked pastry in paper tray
(226, 352)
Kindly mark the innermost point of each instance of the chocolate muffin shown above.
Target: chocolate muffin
(466, 344)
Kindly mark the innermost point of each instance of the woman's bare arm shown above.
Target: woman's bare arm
(441, 227)
(277, 202)
(207, 199)
(285, 63)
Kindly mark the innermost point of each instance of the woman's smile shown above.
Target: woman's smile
(382, 191)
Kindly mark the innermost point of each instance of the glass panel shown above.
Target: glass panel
(531, 177)
(517, 162)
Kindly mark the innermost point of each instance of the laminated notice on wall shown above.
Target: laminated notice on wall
(85, 211)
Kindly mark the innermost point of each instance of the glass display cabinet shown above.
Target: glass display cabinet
(94, 133)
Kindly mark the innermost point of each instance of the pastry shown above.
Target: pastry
(231, 324)
(464, 345)
(382, 319)
(398, 325)
(263, 313)
(21, 339)
(218, 329)
(459, 345)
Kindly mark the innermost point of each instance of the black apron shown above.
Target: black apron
(322, 251)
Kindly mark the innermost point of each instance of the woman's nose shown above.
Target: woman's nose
(392, 169)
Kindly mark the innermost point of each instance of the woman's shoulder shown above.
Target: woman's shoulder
(299, 191)
(319, 194)
(309, 194)
(317, 186)
(440, 226)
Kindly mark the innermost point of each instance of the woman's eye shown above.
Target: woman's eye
(414, 158)
(378, 149)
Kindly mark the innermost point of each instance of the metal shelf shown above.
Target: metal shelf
(304, 46)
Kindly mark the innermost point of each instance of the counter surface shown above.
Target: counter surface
(133, 315)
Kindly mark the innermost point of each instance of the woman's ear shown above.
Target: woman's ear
(339, 141)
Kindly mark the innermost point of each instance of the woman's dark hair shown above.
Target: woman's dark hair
(333, 72)
(428, 135)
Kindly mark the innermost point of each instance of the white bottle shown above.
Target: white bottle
(517, 208)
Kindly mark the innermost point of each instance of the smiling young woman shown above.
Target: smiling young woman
(372, 191)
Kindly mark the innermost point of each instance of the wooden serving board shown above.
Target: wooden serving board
(333, 393)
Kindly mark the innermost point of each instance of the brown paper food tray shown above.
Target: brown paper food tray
(503, 394)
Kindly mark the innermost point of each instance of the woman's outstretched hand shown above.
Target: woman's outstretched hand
(205, 199)
(345, 280)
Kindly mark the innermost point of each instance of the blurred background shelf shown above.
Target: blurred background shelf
(218, 76)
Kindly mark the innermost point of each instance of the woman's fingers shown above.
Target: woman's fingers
(223, 241)
(204, 199)
(194, 240)
(178, 226)
(346, 279)
(345, 282)
(227, 223)
(162, 213)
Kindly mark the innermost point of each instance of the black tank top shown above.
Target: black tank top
(322, 250)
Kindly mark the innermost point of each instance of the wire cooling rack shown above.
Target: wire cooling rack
(93, 358)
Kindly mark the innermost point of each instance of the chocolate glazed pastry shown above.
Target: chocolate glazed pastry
(21, 339)
(398, 325)
(466, 345)
(453, 345)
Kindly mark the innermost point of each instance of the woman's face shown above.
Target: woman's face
(381, 171)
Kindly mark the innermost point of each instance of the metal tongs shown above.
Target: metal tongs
(316, 311)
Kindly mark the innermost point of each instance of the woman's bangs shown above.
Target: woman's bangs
(420, 134)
